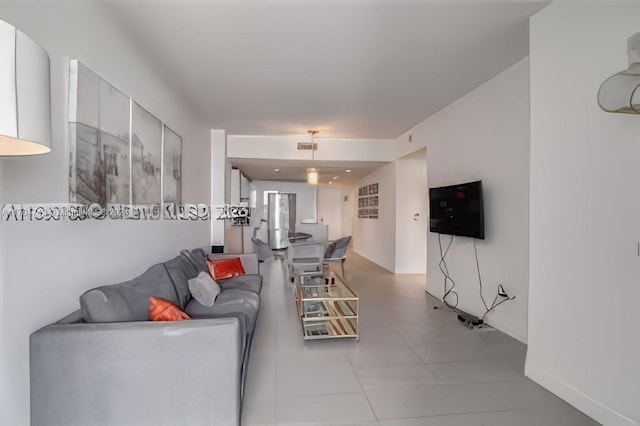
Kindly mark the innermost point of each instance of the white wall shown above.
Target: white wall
(584, 343)
(48, 265)
(220, 184)
(306, 198)
(375, 239)
(412, 199)
(349, 213)
(285, 148)
(484, 136)
(4, 388)
(330, 210)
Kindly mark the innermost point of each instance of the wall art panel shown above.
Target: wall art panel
(116, 147)
(172, 166)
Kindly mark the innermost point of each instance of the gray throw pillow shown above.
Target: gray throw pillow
(204, 289)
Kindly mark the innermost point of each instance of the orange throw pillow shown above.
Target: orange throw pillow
(163, 310)
(220, 269)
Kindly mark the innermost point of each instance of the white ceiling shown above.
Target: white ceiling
(351, 68)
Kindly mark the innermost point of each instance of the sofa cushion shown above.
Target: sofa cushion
(250, 282)
(181, 270)
(234, 294)
(163, 310)
(204, 289)
(128, 301)
(240, 303)
(221, 269)
(197, 257)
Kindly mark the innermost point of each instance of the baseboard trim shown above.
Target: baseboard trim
(372, 261)
(579, 400)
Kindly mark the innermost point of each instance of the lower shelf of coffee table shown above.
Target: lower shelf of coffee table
(327, 306)
(330, 327)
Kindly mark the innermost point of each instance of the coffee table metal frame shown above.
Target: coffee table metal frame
(327, 305)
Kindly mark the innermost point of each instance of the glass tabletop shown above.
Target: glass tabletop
(327, 285)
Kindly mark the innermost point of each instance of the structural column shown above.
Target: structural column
(218, 186)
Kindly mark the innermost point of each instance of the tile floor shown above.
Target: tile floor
(414, 365)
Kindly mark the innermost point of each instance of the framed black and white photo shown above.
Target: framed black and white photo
(114, 138)
(85, 183)
(98, 139)
(171, 166)
(368, 201)
(120, 153)
(146, 154)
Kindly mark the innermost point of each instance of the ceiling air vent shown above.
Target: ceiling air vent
(307, 146)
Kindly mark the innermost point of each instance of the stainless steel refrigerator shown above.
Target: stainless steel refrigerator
(281, 218)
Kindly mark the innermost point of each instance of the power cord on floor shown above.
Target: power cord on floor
(443, 307)
(445, 271)
(495, 305)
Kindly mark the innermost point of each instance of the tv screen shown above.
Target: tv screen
(457, 210)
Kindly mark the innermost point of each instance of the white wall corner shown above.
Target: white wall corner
(374, 239)
(583, 249)
(219, 183)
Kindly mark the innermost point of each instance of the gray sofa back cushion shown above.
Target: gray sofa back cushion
(181, 270)
(128, 301)
(250, 282)
(198, 257)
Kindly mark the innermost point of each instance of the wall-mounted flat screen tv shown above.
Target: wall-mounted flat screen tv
(457, 210)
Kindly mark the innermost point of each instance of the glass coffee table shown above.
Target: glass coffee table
(327, 305)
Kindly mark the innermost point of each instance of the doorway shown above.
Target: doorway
(330, 210)
(412, 199)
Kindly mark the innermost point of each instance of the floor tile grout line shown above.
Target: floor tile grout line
(444, 383)
(355, 372)
(275, 358)
(289, 397)
(401, 327)
(473, 360)
(415, 353)
(453, 414)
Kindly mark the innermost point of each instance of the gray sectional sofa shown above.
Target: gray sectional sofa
(107, 364)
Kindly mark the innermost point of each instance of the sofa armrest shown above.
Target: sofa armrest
(161, 373)
(249, 260)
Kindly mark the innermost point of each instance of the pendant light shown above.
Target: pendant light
(25, 105)
(312, 173)
(312, 176)
(619, 93)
